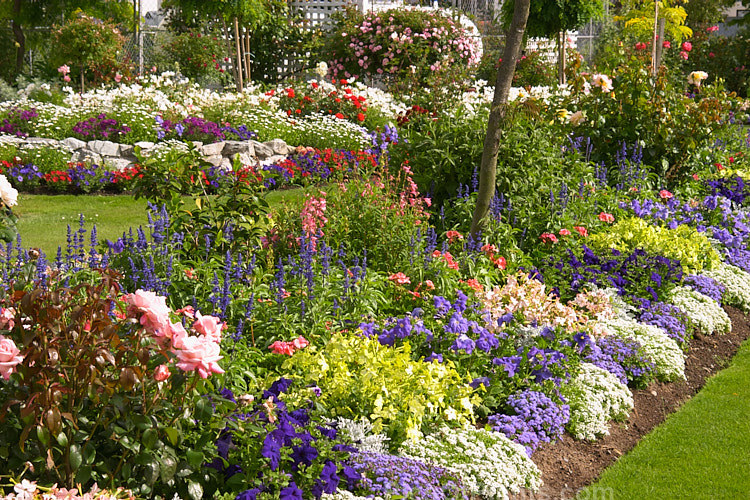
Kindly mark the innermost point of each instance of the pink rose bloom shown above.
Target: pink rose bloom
(178, 334)
(712, 29)
(64, 69)
(199, 354)
(605, 217)
(667, 44)
(280, 347)
(687, 46)
(7, 318)
(9, 357)
(665, 195)
(300, 343)
(210, 326)
(564, 232)
(66, 78)
(118, 77)
(684, 55)
(162, 373)
(153, 310)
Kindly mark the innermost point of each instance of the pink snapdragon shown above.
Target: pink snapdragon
(9, 357)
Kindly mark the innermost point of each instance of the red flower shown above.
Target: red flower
(640, 46)
(361, 117)
(581, 230)
(339, 116)
(667, 44)
(695, 177)
(687, 46)
(548, 238)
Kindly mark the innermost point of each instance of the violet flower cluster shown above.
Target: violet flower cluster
(668, 317)
(16, 121)
(623, 357)
(391, 476)
(705, 285)
(100, 128)
(536, 419)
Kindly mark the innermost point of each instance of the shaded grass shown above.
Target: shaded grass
(43, 219)
(700, 452)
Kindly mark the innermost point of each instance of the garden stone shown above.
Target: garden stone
(73, 144)
(226, 164)
(214, 160)
(261, 150)
(120, 163)
(126, 150)
(104, 148)
(10, 139)
(145, 144)
(279, 147)
(273, 159)
(83, 155)
(234, 147)
(246, 158)
(214, 149)
(40, 141)
(198, 145)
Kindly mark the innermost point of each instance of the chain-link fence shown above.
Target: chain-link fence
(142, 48)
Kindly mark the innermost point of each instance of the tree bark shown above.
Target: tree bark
(19, 36)
(498, 111)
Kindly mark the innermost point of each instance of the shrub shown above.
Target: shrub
(199, 56)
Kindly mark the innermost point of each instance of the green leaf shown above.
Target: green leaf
(173, 435)
(89, 453)
(83, 475)
(62, 439)
(74, 457)
(168, 468)
(149, 438)
(194, 458)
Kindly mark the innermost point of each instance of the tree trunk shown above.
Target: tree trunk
(19, 36)
(561, 57)
(237, 42)
(248, 72)
(488, 167)
(227, 37)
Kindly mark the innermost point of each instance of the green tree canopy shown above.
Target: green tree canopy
(549, 17)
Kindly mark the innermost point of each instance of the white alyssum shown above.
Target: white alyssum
(703, 311)
(737, 283)
(8, 193)
(595, 397)
(360, 433)
(664, 352)
(347, 495)
(489, 464)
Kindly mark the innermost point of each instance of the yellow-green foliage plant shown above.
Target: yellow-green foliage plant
(358, 377)
(691, 248)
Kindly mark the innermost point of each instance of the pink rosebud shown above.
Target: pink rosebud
(210, 326)
(66, 78)
(118, 77)
(162, 373)
(665, 195)
(564, 232)
(684, 55)
(605, 217)
(9, 357)
(199, 354)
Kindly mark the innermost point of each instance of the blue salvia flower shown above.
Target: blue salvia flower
(215, 291)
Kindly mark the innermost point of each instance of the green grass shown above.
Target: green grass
(700, 452)
(43, 219)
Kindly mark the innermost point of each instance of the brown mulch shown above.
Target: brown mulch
(569, 465)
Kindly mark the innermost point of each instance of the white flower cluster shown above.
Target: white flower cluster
(595, 397)
(360, 432)
(664, 352)
(737, 283)
(490, 464)
(346, 495)
(703, 311)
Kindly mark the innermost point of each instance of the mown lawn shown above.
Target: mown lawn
(700, 452)
(43, 219)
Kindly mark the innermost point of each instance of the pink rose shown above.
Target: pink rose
(199, 354)
(153, 310)
(178, 334)
(118, 77)
(162, 373)
(66, 78)
(687, 46)
(7, 318)
(684, 55)
(667, 44)
(210, 326)
(9, 357)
